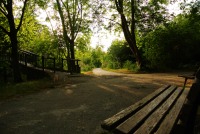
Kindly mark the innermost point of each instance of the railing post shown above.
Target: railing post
(25, 60)
(54, 64)
(36, 57)
(62, 64)
(19, 57)
(5, 74)
(43, 63)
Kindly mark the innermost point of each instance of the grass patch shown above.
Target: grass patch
(125, 71)
(21, 89)
(88, 73)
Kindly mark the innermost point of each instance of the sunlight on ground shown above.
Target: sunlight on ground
(106, 88)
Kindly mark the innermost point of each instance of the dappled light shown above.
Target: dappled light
(106, 88)
(128, 89)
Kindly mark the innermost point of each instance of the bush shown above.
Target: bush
(173, 45)
(113, 65)
(131, 66)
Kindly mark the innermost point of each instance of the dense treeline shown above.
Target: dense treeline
(172, 45)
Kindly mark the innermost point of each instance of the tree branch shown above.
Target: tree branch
(3, 10)
(66, 37)
(68, 13)
(112, 20)
(79, 13)
(117, 5)
(133, 17)
(22, 16)
(5, 5)
(50, 22)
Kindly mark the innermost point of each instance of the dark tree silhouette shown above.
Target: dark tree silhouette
(6, 9)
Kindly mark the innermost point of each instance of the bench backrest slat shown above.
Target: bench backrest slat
(170, 120)
(115, 120)
(152, 123)
(135, 121)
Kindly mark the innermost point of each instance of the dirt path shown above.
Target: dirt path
(79, 104)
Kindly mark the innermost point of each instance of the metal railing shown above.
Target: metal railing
(32, 59)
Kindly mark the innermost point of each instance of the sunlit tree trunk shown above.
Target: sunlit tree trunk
(129, 33)
(66, 38)
(71, 25)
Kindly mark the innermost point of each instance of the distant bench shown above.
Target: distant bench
(189, 76)
(192, 76)
(169, 109)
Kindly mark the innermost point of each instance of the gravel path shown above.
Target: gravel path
(79, 104)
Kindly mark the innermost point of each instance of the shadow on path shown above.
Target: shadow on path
(78, 104)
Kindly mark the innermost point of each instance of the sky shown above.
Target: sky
(104, 37)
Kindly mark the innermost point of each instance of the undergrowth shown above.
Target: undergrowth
(24, 88)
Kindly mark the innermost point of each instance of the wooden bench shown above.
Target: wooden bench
(167, 110)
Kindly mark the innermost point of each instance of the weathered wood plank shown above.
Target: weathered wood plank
(113, 121)
(171, 119)
(188, 112)
(134, 121)
(153, 121)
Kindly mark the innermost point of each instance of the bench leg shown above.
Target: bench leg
(185, 82)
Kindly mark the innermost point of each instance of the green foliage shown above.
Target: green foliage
(118, 54)
(154, 51)
(131, 66)
(159, 1)
(83, 42)
(90, 58)
(174, 45)
(37, 38)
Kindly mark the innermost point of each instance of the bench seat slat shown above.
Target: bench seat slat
(115, 120)
(134, 121)
(170, 120)
(150, 125)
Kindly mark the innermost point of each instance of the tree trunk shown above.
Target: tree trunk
(66, 38)
(7, 10)
(72, 56)
(130, 38)
(129, 35)
(14, 43)
(15, 58)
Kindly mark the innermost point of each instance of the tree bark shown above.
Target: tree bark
(72, 56)
(7, 11)
(66, 38)
(69, 37)
(15, 58)
(14, 43)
